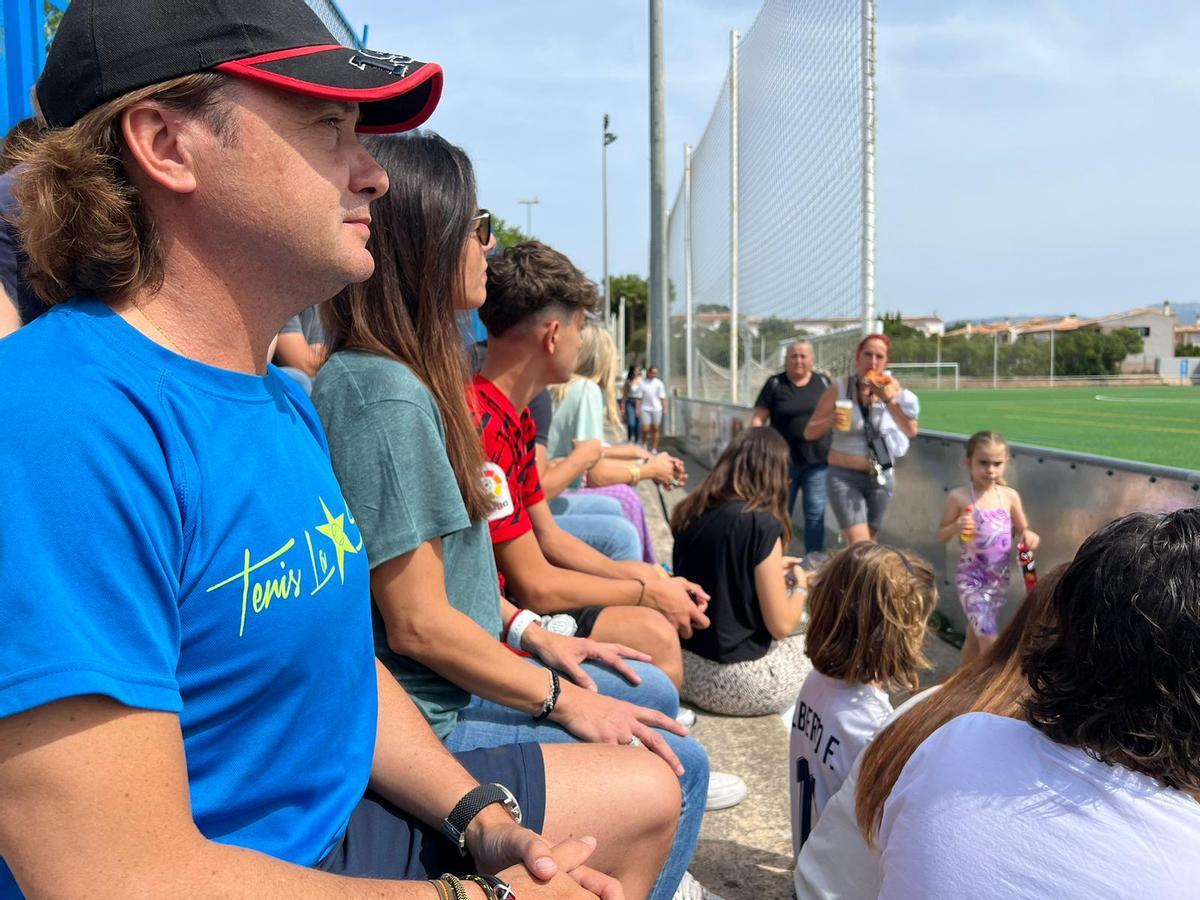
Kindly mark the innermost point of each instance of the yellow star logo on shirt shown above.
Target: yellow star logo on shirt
(335, 529)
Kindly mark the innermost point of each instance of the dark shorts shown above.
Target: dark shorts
(383, 842)
(585, 619)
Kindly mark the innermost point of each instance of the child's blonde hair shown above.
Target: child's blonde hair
(982, 438)
(867, 612)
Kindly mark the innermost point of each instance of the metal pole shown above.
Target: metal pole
(733, 216)
(1051, 356)
(529, 205)
(687, 266)
(660, 301)
(868, 186)
(995, 356)
(621, 331)
(606, 138)
(939, 362)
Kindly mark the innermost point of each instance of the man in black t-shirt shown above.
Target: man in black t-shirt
(787, 401)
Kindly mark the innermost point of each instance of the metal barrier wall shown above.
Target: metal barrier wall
(1066, 495)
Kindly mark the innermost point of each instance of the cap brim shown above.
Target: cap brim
(394, 93)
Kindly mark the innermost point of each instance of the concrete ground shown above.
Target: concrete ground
(745, 853)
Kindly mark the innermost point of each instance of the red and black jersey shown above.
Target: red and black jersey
(508, 442)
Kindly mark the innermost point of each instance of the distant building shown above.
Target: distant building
(1156, 325)
(928, 325)
(1188, 335)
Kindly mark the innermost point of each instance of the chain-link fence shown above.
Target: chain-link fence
(336, 22)
(799, 96)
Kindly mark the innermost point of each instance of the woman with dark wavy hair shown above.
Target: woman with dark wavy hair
(1096, 794)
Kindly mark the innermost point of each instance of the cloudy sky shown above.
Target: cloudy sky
(1033, 156)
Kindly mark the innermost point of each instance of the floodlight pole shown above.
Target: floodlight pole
(607, 138)
(659, 319)
(733, 216)
(529, 205)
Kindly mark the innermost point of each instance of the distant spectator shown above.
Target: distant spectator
(654, 408)
(1094, 796)
(730, 534)
(584, 406)
(787, 401)
(300, 348)
(837, 862)
(631, 402)
(866, 638)
(875, 419)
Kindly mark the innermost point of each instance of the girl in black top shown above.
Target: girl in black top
(730, 535)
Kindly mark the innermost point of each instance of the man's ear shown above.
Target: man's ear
(158, 142)
(550, 335)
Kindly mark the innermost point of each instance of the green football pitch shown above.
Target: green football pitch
(1149, 424)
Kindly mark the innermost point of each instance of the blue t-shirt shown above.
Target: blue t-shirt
(175, 539)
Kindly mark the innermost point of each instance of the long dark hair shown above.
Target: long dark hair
(405, 311)
(754, 469)
(1118, 678)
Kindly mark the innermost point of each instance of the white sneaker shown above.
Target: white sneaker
(690, 889)
(687, 717)
(724, 791)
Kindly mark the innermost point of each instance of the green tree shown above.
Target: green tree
(507, 235)
(636, 292)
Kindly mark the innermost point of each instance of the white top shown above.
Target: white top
(653, 394)
(833, 721)
(990, 807)
(634, 389)
(836, 863)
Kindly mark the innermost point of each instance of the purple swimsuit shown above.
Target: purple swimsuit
(982, 575)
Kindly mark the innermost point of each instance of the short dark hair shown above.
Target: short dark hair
(526, 280)
(1118, 676)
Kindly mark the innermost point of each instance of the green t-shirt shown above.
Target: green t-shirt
(579, 417)
(388, 447)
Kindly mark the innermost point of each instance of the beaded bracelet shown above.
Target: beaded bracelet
(493, 887)
(453, 886)
(551, 700)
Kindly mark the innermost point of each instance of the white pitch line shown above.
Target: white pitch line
(1105, 399)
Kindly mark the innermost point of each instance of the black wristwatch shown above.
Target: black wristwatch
(454, 826)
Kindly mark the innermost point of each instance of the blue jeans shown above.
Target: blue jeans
(809, 477)
(633, 422)
(485, 724)
(599, 522)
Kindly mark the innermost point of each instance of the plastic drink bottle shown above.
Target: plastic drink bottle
(1028, 565)
(968, 532)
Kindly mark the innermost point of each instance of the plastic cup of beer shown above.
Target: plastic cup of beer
(841, 415)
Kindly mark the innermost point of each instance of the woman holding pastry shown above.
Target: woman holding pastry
(872, 418)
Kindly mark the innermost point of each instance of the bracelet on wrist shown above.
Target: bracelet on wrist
(442, 891)
(516, 628)
(454, 887)
(642, 593)
(635, 475)
(493, 888)
(551, 700)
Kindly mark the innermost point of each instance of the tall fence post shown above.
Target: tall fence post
(1051, 356)
(868, 144)
(733, 216)
(660, 300)
(689, 364)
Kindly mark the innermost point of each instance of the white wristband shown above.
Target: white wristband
(523, 620)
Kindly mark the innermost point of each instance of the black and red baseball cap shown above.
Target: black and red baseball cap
(106, 48)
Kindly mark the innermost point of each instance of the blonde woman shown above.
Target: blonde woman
(576, 457)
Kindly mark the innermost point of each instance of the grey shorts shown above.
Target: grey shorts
(652, 417)
(856, 499)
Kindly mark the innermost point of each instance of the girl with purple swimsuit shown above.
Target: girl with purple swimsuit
(986, 516)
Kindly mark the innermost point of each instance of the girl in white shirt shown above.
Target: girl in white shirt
(866, 631)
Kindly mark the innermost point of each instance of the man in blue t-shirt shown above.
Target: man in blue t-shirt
(189, 700)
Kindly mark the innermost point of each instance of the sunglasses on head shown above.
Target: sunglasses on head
(481, 226)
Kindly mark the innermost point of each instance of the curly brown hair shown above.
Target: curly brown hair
(1119, 678)
(83, 226)
(867, 610)
(528, 280)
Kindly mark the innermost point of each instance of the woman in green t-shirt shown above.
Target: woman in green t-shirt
(402, 438)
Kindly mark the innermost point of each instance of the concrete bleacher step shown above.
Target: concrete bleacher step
(745, 853)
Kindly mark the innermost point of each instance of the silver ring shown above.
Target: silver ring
(634, 742)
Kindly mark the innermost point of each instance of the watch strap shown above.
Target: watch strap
(454, 826)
